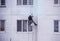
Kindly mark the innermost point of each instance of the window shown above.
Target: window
(56, 26)
(2, 2)
(19, 25)
(30, 2)
(29, 27)
(2, 25)
(24, 2)
(19, 2)
(56, 1)
(22, 26)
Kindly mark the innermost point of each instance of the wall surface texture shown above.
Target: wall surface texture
(47, 13)
(13, 12)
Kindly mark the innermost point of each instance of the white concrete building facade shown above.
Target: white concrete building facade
(14, 20)
(48, 20)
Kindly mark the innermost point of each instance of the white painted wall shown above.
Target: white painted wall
(46, 28)
(47, 13)
(11, 13)
(48, 7)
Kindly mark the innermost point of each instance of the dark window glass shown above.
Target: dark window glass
(29, 27)
(19, 25)
(24, 2)
(2, 25)
(30, 2)
(24, 25)
(59, 1)
(55, 1)
(19, 2)
(2, 2)
(56, 26)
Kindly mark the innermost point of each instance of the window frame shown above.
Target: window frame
(22, 26)
(25, 22)
(58, 28)
(56, 25)
(56, 2)
(24, 4)
(2, 5)
(4, 27)
(56, 5)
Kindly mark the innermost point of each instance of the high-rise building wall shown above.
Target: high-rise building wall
(14, 20)
(48, 20)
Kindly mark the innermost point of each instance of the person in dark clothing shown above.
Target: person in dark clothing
(30, 20)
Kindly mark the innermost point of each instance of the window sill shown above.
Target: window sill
(25, 5)
(2, 6)
(24, 32)
(56, 33)
(2, 32)
(57, 5)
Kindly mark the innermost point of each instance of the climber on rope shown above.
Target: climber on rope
(30, 20)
